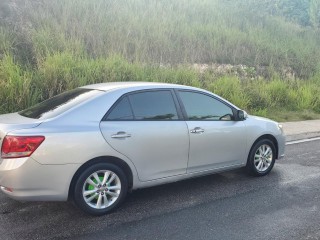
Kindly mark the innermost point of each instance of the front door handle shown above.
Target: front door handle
(197, 130)
(121, 135)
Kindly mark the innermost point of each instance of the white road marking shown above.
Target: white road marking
(303, 140)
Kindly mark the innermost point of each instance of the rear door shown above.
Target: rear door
(147, 127)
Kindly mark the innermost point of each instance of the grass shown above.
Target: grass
(291, 116)
(47, 47)
(165, 32)
(275, 98)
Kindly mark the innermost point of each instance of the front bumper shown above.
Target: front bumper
(281, 139)
(25, 179)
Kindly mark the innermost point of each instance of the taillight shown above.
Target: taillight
(20, 146)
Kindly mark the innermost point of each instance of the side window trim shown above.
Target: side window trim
(184, 112)
(177, 105)
(131, 109)
(172, 92)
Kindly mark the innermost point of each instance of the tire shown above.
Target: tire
(100, 189)
(261, 158)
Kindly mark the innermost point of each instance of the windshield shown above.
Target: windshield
(59, 104)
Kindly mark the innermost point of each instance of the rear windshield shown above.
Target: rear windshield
(59, 104)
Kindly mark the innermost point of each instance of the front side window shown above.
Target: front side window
(203, 107)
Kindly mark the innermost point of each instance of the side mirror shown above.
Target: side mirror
(241, 115)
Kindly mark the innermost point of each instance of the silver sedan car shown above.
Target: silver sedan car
(95, 143)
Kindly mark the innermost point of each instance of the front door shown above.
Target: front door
(216, 140)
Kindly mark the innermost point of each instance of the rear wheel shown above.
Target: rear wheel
(261, 158)
(100, 188)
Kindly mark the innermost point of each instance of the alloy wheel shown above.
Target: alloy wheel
(101, 189)
(263, 158)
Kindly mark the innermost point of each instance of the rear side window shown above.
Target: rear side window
(151, 106)
(157, 105)
(59, 104)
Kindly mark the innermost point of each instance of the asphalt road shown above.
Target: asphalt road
(283, 205)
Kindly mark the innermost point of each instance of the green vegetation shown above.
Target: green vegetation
(47, 47)
(304, 12)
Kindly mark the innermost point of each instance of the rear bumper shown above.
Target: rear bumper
(25, 179)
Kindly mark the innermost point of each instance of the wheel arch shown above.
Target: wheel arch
(269, 137)
(103, 159)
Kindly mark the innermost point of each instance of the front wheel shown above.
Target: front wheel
(100, 188)
(261, 158)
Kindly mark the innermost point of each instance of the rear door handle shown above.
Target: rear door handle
(197, 130)
(121, 135)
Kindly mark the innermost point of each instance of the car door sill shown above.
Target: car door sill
(184, 176)
(213, 170)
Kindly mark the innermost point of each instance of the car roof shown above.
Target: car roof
(146, 85)
(122, 85)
